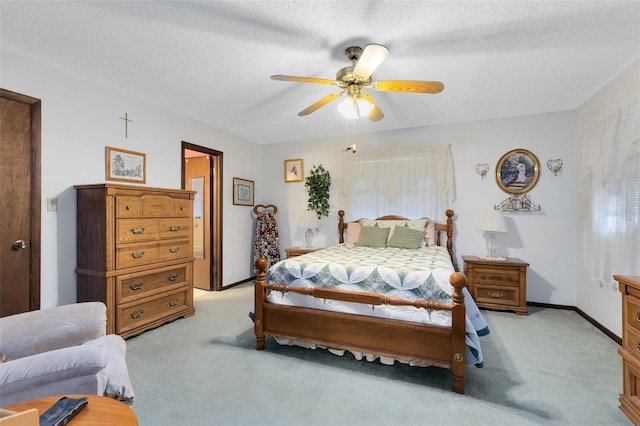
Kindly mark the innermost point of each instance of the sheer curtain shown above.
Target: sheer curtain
(413, 183)
(610, 179)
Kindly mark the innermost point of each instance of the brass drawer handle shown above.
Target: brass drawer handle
(495, 294)
(174, 249)
(173, 277)
(638, 346)
(137, 254)
(136, 314)
(181, 208)
(638, 316)
(174, 302)
(128, 208)
(136, 286)
(138, 230)
(174, 228)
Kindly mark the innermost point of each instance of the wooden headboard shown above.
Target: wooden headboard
(441, 228)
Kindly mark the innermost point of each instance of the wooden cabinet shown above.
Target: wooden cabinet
(630, 350)
(135, 254)
(298, 251)
(498, 284)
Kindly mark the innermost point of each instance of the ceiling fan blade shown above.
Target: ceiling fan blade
(372, 56)
(322, 102)
(431, 87)
(303, 79)
(376, 113)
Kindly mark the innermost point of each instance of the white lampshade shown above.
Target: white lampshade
(492, 220)
(353, 108)
(309, 220)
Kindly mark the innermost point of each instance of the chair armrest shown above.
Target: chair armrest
(55, 366)
(45, 330)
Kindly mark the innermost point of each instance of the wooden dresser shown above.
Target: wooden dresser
(135, 254)
(630, 350)
(498, 284)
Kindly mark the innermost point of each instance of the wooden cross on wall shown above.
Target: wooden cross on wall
(126, 124)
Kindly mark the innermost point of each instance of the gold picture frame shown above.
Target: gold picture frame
(293, 170)
(242, 192)
(517, 171)
(125, 166)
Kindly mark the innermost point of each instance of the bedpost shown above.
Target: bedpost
(458, 331)
(450, 214)
(261, 266)
(341, 226)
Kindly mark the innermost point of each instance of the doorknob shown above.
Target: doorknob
(19, 245)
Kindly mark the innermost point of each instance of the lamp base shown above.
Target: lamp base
(308, 236)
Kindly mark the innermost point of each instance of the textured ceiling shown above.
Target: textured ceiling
(211, 60)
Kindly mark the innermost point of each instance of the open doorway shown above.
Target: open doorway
(202, 172)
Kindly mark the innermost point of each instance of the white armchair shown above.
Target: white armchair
(63, 350)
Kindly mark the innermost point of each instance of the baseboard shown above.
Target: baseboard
(226, 287)
(579, 311)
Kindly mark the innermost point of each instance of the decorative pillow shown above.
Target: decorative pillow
(353, 231)
(420, 224)
(406, 238)
(430, 234)
(4, 358)
(372, 236)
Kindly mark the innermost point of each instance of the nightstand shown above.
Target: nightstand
(498, 284)
(297, 251)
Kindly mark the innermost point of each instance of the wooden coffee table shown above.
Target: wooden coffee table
(99, 410)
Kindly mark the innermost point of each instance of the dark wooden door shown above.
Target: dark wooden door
(19, 203)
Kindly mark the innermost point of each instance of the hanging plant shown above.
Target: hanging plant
(317, 185)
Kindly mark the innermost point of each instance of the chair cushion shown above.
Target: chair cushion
(118, 383)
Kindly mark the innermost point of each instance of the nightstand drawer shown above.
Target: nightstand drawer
(507, 296)
(632, 343)
(496, 276)
(633, 312)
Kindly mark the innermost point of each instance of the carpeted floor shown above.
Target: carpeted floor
(550, 367)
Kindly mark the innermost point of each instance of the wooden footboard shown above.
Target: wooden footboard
(408, 341)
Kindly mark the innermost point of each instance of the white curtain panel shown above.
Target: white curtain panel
(414, 183)
(610, 179)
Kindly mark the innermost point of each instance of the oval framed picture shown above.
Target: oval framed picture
(517, 171)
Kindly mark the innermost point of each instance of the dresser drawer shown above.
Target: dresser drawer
(131, 230)
(128, 206)
(496, 276)
(129, 255)
(497, 295)
(157, 206)
(633, 312)
(137, 315)
(170, 250)
(181, 207)
(130, 287)
(632, 342)
(174, 228)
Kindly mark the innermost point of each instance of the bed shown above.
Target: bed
(366, 299)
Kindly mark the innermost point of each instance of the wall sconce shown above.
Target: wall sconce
(554, 166)
(351, 148)
(482, 169)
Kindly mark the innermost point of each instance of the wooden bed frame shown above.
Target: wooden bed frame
(421, 344)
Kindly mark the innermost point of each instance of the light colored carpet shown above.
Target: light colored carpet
(551, 367)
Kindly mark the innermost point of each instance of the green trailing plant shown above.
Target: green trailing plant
(317, 185)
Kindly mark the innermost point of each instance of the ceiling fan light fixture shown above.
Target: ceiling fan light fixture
(353, 108)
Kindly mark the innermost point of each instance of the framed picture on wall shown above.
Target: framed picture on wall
(293, 170)
(242, 192)
(125, 166)
(517, 171)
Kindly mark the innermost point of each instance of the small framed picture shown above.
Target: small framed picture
(293, 170)
(242, 192)
(517, 171)
(125, 166)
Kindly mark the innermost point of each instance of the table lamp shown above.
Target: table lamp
(492, 221)
(309, 220)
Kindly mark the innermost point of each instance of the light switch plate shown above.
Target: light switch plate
(52, 204)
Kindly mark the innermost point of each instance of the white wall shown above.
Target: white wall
(78, 120)
(546, 240)
(601, 303)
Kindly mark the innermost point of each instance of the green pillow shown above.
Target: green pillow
(372, 236)
(406, 237)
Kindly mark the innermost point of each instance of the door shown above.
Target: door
(19, 203)
(212, 211)
(198, 178)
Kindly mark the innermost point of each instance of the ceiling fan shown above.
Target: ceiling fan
(354, 78)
